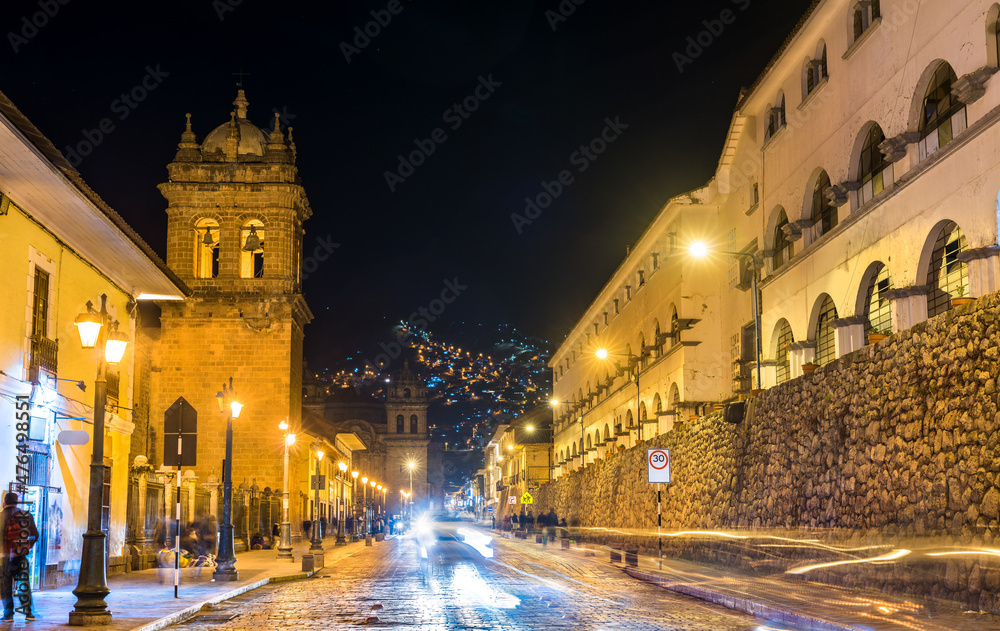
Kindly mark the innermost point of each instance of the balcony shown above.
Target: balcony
(43, 357)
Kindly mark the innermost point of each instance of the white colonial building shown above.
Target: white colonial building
(857, 185)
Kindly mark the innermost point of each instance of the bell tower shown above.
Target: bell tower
(235, 209)
(406, 437)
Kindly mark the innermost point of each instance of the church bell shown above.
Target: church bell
(253, 242)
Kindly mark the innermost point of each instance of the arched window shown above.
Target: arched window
(413, 424)
(607, 433)
(946, 276)
(815, 70)
(874, 171)
(400, 424)
(629, 420)
(657, 404)
(878, 310)
(252, 249)
(642, 411)
(824, 214)
(785, 337)
(826, 347)
(776, 117)
(206, 249)
(865, 14)
(675, 397)
(942, 116)
(783, 246)
(406, 393)
(675, 329)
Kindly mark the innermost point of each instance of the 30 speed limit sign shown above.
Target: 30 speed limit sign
(658, 465)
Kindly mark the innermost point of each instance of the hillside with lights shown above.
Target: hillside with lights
(476, 377)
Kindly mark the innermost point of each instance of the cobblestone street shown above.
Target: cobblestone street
(523, 587)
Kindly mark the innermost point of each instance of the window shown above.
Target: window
(406, 393)
(776, 118)
(942, 115)
(824, 214)
(414, 429)
(878, 310)
(783, 247)
(826, 350)
(206, 248)
(755, 199)
(946, 274)
(400, 424)
(865, 14)
(816, 71)
(785, 337)
(874, 171)
(40, 305)
(252, 250)
(993, 36)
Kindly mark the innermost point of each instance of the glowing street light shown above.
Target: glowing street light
(285, 529)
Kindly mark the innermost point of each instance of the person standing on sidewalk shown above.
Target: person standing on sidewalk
(19, 535)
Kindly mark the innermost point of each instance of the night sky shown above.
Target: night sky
(550, 80)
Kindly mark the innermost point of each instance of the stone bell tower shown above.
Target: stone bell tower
(235, 210)
(406, 437)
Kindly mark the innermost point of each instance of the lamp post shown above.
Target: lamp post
(700, 250)
(225, 569)
(285, 543)
(364, 501)
(92, 587)
(371, 521)
(354, 475)
(341, 540)
(317, 541)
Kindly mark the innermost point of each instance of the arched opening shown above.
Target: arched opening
(874, 306)
(824, 213)
(642, 411)
(826, 345)
(400, 424)
(776, 117)
(607, 433)
(406, 393)
(783, 337)
(942, 116)
(252, 249)
(629, 421)
(814, 72)
(414, 425)
(675, 329)
(947, 276)
(874, 171)
(863, 15)
(783, 246)
(206, 248)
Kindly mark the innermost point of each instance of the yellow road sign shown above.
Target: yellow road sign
(527, 499)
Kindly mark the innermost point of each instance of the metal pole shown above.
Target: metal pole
(285, 530)
(317, 542)
(638, 399)
(177, 535)
(92, 587)
(226, 561)
(659, 522)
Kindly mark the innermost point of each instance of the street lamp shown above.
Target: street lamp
(285, 543)
(317, 541)
(341, 540)
(371, 521)
(411, 465)
(225, 569)
(700, 250)
(364, 500)
(97, 330)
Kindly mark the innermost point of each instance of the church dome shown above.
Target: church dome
(252, 141)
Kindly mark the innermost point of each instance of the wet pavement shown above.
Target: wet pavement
(437, 580)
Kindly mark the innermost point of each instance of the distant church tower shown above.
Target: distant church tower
(406, 437)
(235, 210)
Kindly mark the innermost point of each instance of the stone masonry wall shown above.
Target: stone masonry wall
(893, 445)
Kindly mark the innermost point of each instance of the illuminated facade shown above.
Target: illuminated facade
(857, 182)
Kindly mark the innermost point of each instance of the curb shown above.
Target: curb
(193, 610)
(740, 603)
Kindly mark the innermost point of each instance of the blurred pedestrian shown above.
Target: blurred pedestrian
(275, 534)
(306, 528)
(19, 535)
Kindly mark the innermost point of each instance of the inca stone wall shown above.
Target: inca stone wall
(893, 445)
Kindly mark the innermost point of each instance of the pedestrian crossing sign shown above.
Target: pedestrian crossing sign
(527, 499)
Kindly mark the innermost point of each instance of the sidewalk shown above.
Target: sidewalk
(799, 604)
(140, 602)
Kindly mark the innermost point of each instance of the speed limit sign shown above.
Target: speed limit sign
(658, 465)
